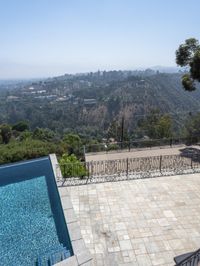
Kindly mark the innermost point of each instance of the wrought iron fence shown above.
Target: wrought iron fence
(130, 168)
(138, 144)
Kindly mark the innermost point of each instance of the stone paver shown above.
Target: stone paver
(81, 254)
(139, 222)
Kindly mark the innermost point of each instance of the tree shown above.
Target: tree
(188, 55)
(43, 134)
(164, 127)
(113, 130)
(21, 126)
(6, 133)
(118, 131)
(192, 128)
(157, 126)
(73, 142)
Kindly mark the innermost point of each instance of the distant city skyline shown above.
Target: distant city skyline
(49, 38)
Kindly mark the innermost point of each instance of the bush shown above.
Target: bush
(21, 126)
(27, 149)
(113, 146)
(71, 167)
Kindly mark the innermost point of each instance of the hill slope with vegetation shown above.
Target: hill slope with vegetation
(89, 104)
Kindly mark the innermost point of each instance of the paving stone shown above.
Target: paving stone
(139, 222)
(72, 261)
(84, 257)
(70, 216)
(74, 230)
(125, 245)
(143, 260)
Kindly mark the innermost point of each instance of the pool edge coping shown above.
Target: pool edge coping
(81, 255)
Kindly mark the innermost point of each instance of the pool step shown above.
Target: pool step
(53, 256)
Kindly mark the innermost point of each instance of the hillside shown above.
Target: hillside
(89, 103)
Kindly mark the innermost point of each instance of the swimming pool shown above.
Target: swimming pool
(32, 227)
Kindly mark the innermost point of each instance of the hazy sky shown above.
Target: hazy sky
(40, 38)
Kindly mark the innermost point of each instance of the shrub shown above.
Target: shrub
(71, 167)
(27, 149)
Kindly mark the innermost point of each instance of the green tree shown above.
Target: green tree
(188, 55)
(6, 133)
(192, 128)
(115, 130)
(43, 134)
(157, 126)
(73, 142)
(164, 127)
(21, 126)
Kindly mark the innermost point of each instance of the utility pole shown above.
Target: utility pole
(122, 132)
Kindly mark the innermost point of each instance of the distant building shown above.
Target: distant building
(89, 101)
(41, 91)
(12, 98)
(48, 97)
(61, 99)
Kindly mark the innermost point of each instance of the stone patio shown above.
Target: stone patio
(139, 222)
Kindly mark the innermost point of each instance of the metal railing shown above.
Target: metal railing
(191, 260)
(130, 168)
(138, 144)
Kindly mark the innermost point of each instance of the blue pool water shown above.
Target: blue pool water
(31, 218)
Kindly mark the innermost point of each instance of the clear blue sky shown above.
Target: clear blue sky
(51, 37)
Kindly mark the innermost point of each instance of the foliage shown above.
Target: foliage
(21, 126)
(21, 144)
(27, 149)
(43, 134)
(157, 126)
(94, 146)
(192, 128)
(6, 133)
(73, 142)
(164, 127)
(71, 166)
(115, 131)
(117, 93)
(188, 54)
(25, 135)
(112, 146)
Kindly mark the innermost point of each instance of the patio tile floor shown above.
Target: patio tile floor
(139, 222)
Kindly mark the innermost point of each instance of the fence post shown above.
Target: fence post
(88, 171)
(171, 142)
(64, 170)
(64, 175)
(129, 146)
(127, 167)
(191, 162)
(160, 166)
(92, 168)
(84, 152)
